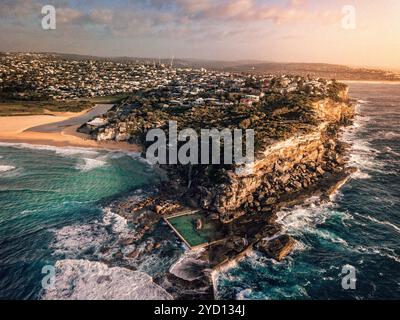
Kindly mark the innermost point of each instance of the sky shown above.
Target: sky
(268, 30)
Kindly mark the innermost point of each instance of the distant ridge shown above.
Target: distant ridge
(324, 70)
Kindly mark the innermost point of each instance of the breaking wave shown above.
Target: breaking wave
(362, 155)
(189, 266)
(346, 230)
(387, 135)
(63, 151)
(76, 240)
(6, 168)
(304, 217)
(385, 223)
(89, 280)
(89, 164)
(111, 237)
(71, 241)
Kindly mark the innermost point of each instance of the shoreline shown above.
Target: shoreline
(395, 82)
(17, 129)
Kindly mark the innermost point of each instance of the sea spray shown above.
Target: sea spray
(52, 211)
(6, 168)
(89, 280)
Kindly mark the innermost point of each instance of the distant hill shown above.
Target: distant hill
(329, 71)
(323, 70)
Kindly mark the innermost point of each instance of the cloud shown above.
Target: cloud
(174, 18)
(68, 15)
(17, 10)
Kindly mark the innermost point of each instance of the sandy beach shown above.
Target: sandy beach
(18, 129)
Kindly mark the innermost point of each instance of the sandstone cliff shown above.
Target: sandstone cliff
(284, 167)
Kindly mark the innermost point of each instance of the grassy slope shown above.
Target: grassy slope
(14, 108)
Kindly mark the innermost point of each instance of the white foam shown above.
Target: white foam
(385, 223)
(89, 164)
(331, 237)
(117, 154)
(72, 240)
(360, 175)
(307, 217)
(374, 250)
(189, 267)
(244, 294)
(362, 155)
(391, 151)
(302, 217)
(88, 280)
(119, 224)
(6, 168)
(66, 151)
(389, 135)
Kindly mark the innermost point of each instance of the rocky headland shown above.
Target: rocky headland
(298, 154)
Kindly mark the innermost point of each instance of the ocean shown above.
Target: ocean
(49, 200)
(360, 227)
(54, 209)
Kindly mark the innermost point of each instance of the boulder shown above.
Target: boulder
(285, 179)
(320, 171)
(271, 200)
(127, 241)
(122, 136)
(158, 209)
(297, 185)
(277, 248)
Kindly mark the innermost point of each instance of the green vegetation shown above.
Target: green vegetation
(275, 117)
(109, 99)
(17, 107)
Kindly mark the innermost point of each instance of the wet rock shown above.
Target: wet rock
(158, 209)
(149, 247)
(269, 231)
(133, 255)
(271, 200)
(320, 171)
(118, 255)
(127, 241)
(277, 248)
(285, 179)
(122, 137)
(199, 224)
(107, 134)
(166, 207)
(297, 185)
(103, 279)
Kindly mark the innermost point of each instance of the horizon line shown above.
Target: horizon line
(256, 61)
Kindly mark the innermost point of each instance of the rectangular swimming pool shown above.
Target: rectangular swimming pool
(185, 226)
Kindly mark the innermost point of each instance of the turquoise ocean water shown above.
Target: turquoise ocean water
(44, 189)
(360, 227)
(53, 206)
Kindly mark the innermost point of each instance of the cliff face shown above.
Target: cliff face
(298, 154)
(296, 144)
(284, 167)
